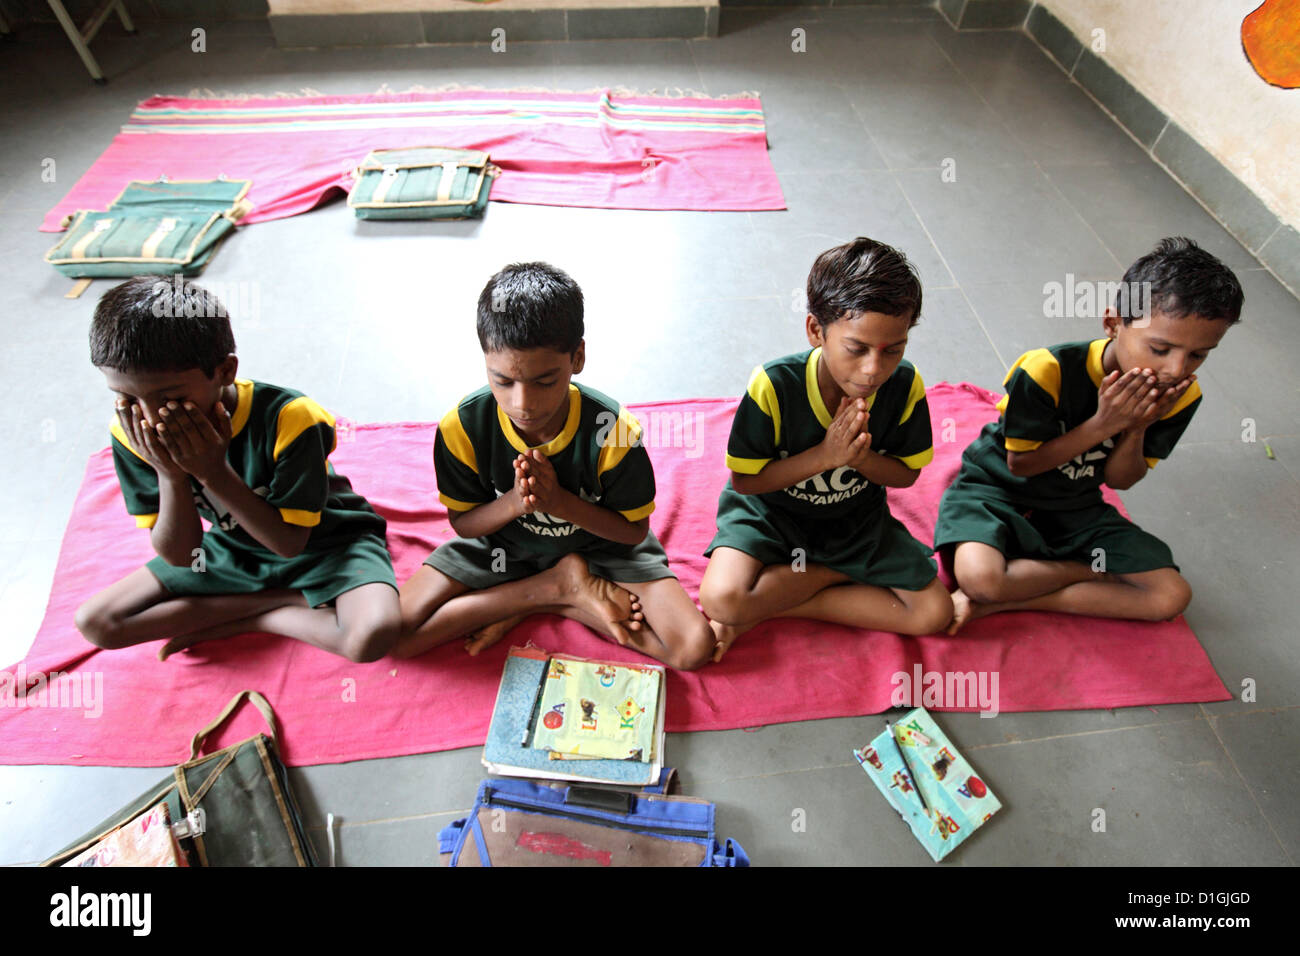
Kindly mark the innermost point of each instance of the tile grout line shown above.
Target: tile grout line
(1271, 236)
(1082, 733)
(1150, 152)
(1249, 789)
(1119, 266)
(997, 353)
(919, 221)
(341, 824)
(969, 304)
(1033, 161)
(969, 749)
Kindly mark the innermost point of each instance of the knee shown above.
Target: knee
(364, 644)
(1171, 598)
(723, 603)
(932, 613)
(695, 650)
(97, 626)
(981, 583)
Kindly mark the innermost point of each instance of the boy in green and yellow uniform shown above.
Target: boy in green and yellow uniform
(1024, 524)
(804, 528)
(549, 489)
(292, 549)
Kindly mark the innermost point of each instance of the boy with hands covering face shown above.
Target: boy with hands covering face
(1023, 524)
(291, 550)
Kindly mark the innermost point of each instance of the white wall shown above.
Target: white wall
(1186, 57)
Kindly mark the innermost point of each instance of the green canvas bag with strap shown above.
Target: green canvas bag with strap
(422, 182)
(158, 228)
(248, 813)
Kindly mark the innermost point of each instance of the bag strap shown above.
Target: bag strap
(666, 784)
(238, 211)
(730, 854)
(446, 180)
(257, 700)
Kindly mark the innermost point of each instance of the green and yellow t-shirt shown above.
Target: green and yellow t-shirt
(1050, 392)
(597, 455)
(782, 414)
(280, 445)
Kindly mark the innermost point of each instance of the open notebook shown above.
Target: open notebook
(567, 718)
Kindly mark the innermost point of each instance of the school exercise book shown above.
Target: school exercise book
(566, 718)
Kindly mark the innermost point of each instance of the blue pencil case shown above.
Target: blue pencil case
(522, 823)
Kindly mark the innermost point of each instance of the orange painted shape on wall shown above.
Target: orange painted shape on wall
(1270, 35)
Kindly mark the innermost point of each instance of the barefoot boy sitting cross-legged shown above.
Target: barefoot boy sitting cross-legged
(550, 491)
(804, 528)
(1023, 524)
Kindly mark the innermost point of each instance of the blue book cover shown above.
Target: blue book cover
(508, 749)
(959, 801)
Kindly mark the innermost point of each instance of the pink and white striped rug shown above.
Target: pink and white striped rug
(601, 148)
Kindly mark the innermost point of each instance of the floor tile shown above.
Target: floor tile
(997, 223)
(1252, 739)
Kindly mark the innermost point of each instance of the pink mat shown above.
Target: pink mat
(332, 710)
(598, 148)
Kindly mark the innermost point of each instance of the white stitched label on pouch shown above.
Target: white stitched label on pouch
(79, 250)
(150, 248)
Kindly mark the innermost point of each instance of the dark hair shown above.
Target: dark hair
(863, 276)
(160, 324)
(1179, 278)
(530, 305)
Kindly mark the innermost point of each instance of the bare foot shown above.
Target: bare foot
(182, 643)
(725, 635)
(603, 600)
(485, 637)
(964, 611)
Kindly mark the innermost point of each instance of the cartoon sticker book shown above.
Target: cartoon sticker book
(559, 717)
(957, 802)
(590, 709)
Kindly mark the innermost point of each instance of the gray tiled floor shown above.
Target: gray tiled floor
(860, 125)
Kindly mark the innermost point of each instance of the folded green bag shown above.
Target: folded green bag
(249, 814)
(422, 182)
(158, 228)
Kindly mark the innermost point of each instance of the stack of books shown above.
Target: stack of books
(567, 718)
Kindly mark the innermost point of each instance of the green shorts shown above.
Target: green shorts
(321, 576)
(880, 552)
(980, 513)
(479, 563)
